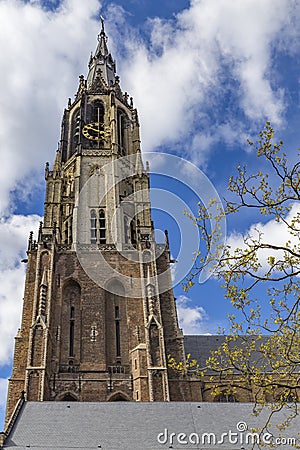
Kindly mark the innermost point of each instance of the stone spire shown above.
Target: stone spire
(139, 167)
(101, 64)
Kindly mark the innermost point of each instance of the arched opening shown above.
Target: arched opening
(76, 122)
(126, 229)
(122, 135)
(132, 233)
(94, 117)
(98, 237)
(102, 227)
(226, 397)
(97, 112)
(70, 327)
(154, 338)
(68, 397)
(116, 328)
(93, 227)
(118, 397)
(115, 287)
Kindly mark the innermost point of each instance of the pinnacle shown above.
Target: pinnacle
(139, 168)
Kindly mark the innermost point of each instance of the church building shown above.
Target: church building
(96, 324)
(99, 314)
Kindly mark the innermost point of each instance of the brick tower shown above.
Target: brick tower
(99, 316)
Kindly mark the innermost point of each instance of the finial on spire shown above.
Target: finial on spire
(102, 32)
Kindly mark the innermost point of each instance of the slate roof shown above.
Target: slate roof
(200, 346)
(137, 426)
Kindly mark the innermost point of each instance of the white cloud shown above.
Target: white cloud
(14, 232)
(271, 232)
(13, 238)
(3, 394)
(12, 286)
(175, 79)
(246, 34)
(230, 133)
(40, 53)
(191, 318)
(186, 68)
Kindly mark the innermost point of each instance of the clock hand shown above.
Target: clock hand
(96, 129)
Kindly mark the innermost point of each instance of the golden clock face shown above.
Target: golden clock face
(94, 131)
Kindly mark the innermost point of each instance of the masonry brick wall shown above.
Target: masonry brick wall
(17, 381)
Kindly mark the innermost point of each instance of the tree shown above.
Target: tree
(261, 278)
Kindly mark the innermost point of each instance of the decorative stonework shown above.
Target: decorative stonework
(94, 152)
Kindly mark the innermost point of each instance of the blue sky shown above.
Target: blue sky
(205, 76)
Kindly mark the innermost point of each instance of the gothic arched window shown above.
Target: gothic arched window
(154, 337)
(93, 227)
(76, 120)
(97, 112)
(132, 233)
(67, 231)
(122, 132)
(102, 227)
(70, 326)
(126, 229)
(116, 326)
(118, 337)
(72, 329)
(68, 398)
(226, 398)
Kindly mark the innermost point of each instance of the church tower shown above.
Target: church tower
(99, 316)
